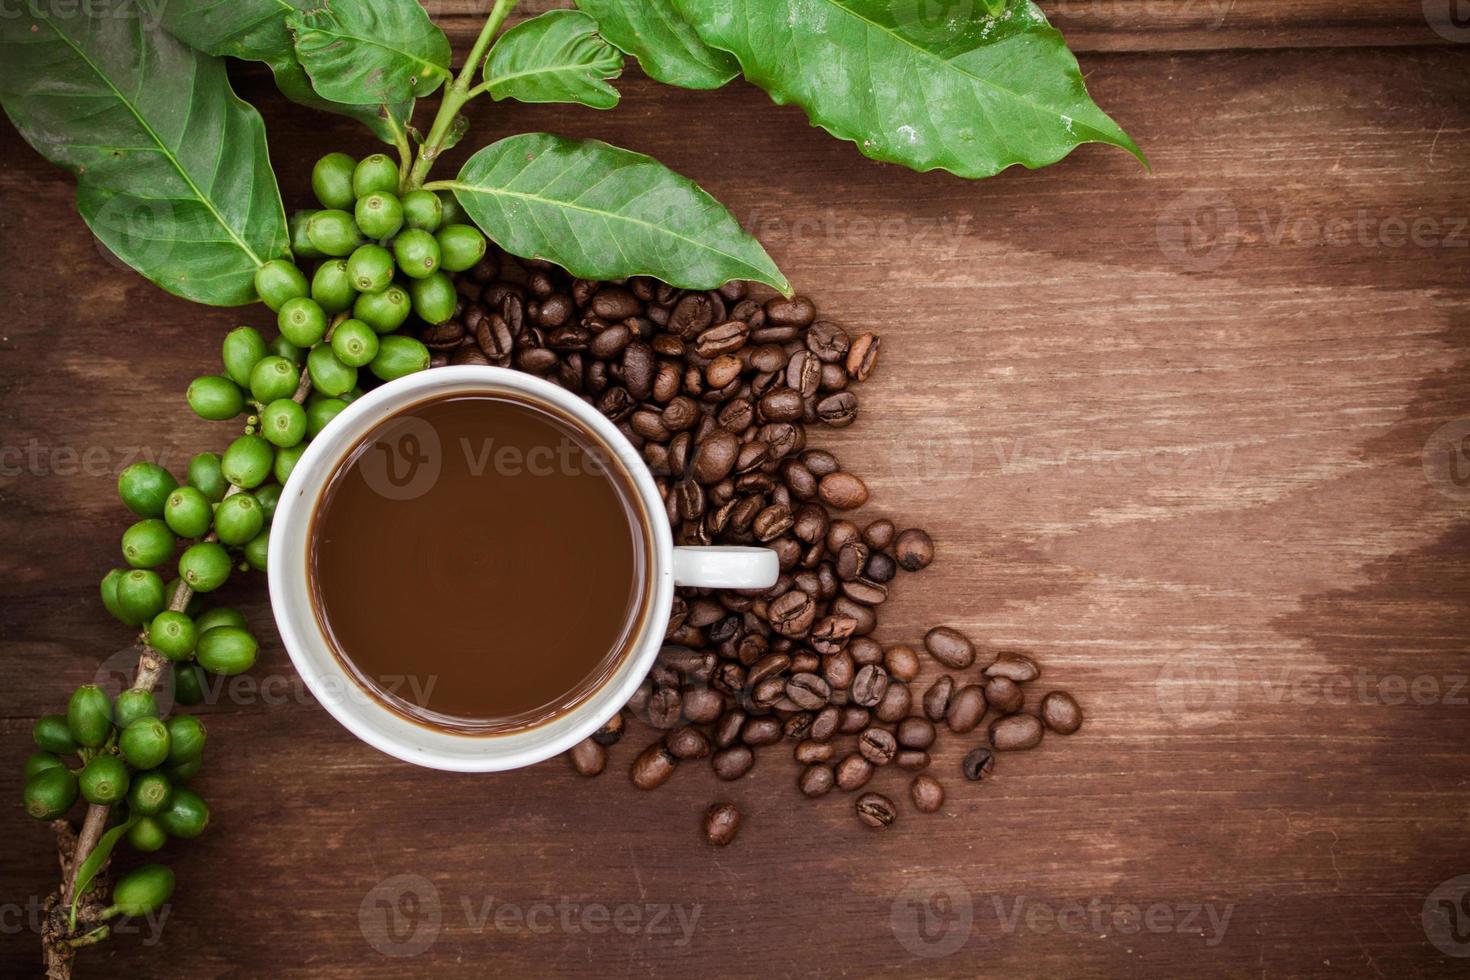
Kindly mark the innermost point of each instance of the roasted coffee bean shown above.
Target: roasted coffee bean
(876, 811)
(780, 405)
(783, 438)
(727, 732)
(798, 311)
(723, 338)
(816, 780)
(588, 758)
(865, 592)
(869, 686)
(841, 533)
(732, 763)
(865, 651)
(851, 560)
(768, 666)
(862, 356)
(810, 752)
(966, 708)
(641, 695)
(665, 708)
(615, 303)
(808, 691)
(1061, 712)
(536, 360)
(912, 760)
(978, 764)
(1015, 732)
(950, 647)
(880, 568)
(722, 370)
(800, 480)
(1005, 694)
(736, 416)
(914, 549)
(879, 534)
(842, 491)
(680, 414)
(901, 662)
(609, 343)
(830, 633)
(820, 462)
(810, 523)
(798, 725)
(863, 618)
(1014, 666)
(702, 705)
(852, 772)
(853, 719)
(916, 733)
(638, 370)
(772, 522)
(792, 614)
(692, 314)
(768, 692)
(805, 662)
(828, 341)
(721, 824)
(839, 410)
(838, 670)
(761, 731)
(826, 723)
(878, 746)
(895, 704)
(804, 373)
(752, 455)
(927, 794)
(653, 767)
(687, 742)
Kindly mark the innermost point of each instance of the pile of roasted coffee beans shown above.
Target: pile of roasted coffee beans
(718, 390)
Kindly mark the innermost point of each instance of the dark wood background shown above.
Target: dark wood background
(1180, 434)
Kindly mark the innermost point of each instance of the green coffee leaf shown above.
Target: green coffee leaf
(605, 213)
(557, 57)
(94, 861)
(925, 83)
(255, 30)
(172, 170)
(665, 45)
(370, 52)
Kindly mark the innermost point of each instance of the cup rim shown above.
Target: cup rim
(363, 713)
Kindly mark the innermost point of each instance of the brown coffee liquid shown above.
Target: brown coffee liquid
(479, 563)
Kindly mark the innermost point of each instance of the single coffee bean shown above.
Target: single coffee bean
(879, 534)
(588, 757)
(851, 560)
(799, 725)
(830, 633)
(687, 742)
(721, 824)
(901, 662)
(876, 811)
(797, 311)
(809, 691)
(1005, 695)
(895, 704)
(978, 764)
(732, 763)
(842, 491)
(792, 614)
(950, 647)
(839, 410)
(610, 732)
(937, 698)
(838, 670)
(714, 457)
(727, 732)
(1014, 732)
(761, 731)
(810, 752)
(826, 723)
(865, 620)
(828, 341)
(665, 708)
(768, 666)
(768, 692)
(1061, 712)
(852, 772)
(914, 549)
(880, 568)
(878, 746)
(816, 780)
(869, 686)
(927, 794)
(916, 733)
(912, 760)
(862, 356)
(966, 708)
(865, 651)
(1014, 666)
(653, 767)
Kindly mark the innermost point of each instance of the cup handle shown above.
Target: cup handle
(730, 567)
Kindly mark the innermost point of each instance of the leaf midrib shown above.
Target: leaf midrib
(163, 147)
(374, 42)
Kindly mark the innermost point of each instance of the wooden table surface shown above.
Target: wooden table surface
(1195, 438)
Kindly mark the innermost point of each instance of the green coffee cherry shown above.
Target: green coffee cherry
(134, 703)
(333, 232)
(268, 496)
(205, 566)
(205, 476)
(453, 213)
(301, 246)
(140, 596)
(247, 461)
(89, 716)
(331, 286)
(379, 215)
(433, 297)
(257, 551)
(109, 595)
(150, 793)
(328, 375)
(375, 173)
(141, 891)
(187, 814)
(384, 311)
(186, 732)
(461, 245)
(51, 793)
(242, 350)
(180, 773)
(354, 343)
(188, 512)
(283, 423)
(324, 410)
(398, 356)
(39, 762)
(104, 780)
(188, 684)
(239, 518)
(219, 616)
(283, 348)
(215, 397)
(144, 743)
(422, 209)
(331, 180)
(144, 487)
(277, 281)
(147, 835)
(148, 543)
(52, 735)
(417, 253)
(173, 635)
(286, 460)
(370, 268)
(274, 377)
(227, 650)
(302, 321)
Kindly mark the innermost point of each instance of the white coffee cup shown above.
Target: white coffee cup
(365, 714)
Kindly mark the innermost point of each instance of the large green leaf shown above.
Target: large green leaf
(370, 52)
(605, 213)
(557, 57)
(926, 83)
(663, 42)
(172, 170)
(255, 30)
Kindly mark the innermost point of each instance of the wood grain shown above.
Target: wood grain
(1175, 435)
